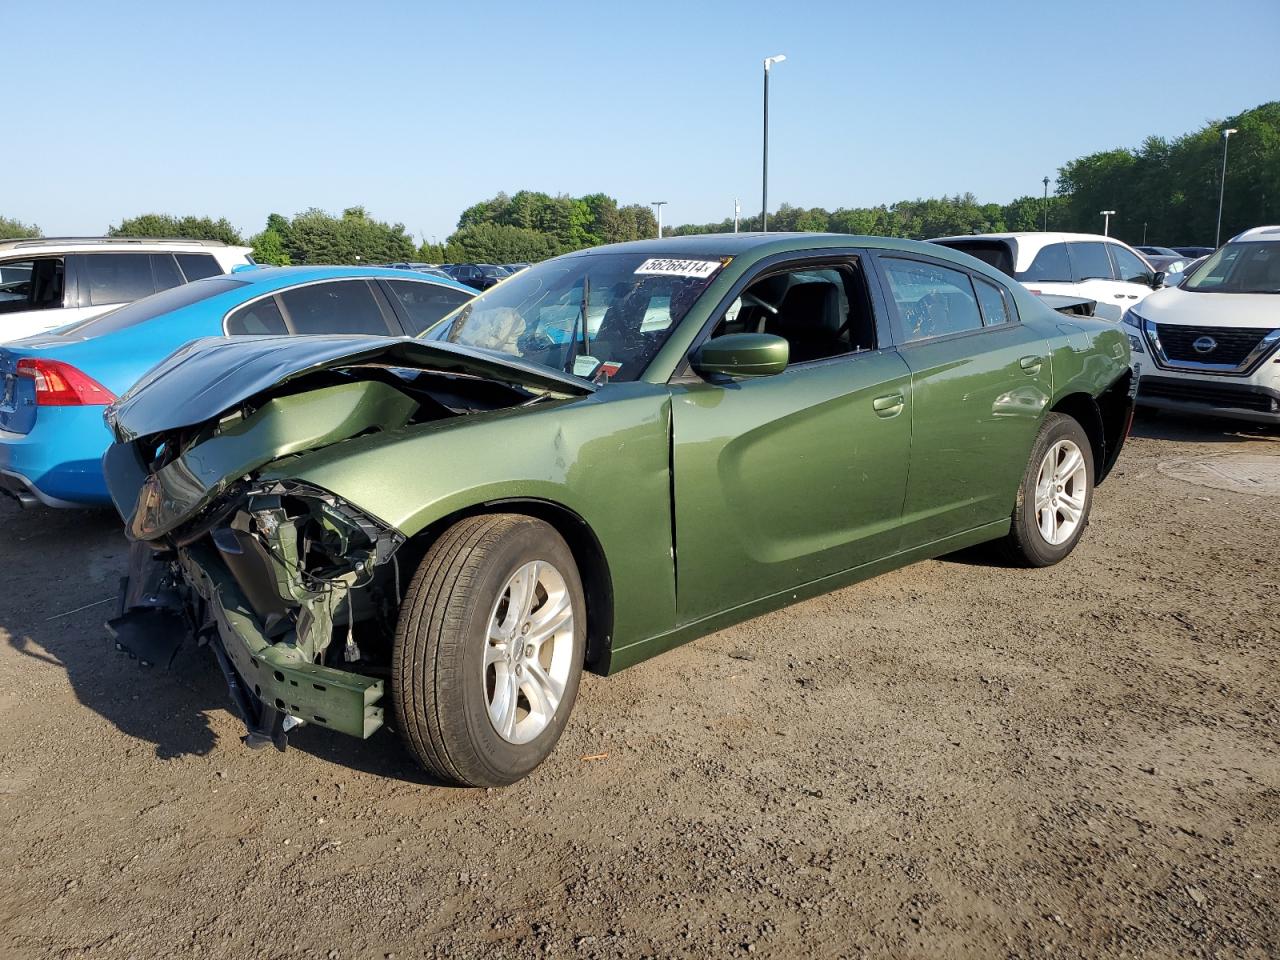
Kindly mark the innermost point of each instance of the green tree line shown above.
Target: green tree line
(1163, 192)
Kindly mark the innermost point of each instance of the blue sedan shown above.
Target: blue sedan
(53, 386)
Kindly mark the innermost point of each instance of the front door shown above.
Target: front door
(783, 480)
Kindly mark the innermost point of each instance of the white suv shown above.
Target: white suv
(1075, 264)
(48, 282)
(1212, 343)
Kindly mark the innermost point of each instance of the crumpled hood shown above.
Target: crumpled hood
(209, 376)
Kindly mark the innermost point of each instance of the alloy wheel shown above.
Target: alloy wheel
(1061, 490)
(529, 650)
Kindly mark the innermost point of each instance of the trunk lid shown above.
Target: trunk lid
(209, 376)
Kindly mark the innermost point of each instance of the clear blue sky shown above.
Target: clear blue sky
(417, 110)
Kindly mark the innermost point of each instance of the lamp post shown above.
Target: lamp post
(737, 213)
(1222, 182)
(657, 209)
(1106, 224)
(1046, 204)
(764, 179)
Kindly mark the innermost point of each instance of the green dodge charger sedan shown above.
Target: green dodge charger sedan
(604, 456)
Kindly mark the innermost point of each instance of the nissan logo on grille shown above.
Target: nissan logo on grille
(1204, 345)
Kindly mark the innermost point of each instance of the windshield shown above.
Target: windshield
(1248, 267)
(601, 316)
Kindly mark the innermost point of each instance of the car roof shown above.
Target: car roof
(1257, 233)
(78, 244)
(1044, 237)
(738, 244)
(276, 277)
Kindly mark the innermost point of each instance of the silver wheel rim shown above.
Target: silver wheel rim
(1061, 488)
(529, 651)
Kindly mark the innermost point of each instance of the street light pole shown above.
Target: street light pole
(1106, 224)
(1222, 183)
(737, 213)
(657, 208)
(764, 179)
(1046, 204)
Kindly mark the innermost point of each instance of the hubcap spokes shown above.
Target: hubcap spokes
(527, 658)
(1061, 488)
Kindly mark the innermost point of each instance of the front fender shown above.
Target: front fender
(605, 457)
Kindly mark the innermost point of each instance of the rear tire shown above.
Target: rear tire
(489, 649)
(1056, 494)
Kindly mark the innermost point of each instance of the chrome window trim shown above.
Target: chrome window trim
(1246, 367)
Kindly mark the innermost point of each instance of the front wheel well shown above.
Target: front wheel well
(589, 555)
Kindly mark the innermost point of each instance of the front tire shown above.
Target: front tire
(1055, 496)
(489, 650)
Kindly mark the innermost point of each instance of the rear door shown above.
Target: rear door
(980, 381)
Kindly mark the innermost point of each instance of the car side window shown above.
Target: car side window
(1091, 261)
(345, 306)
(1050, 265)
(933, 301)
(165, 270)
(197, 266)
(35, 284)
(262, 317)
(822, 311)
(116, 277)
(425, 303)
(994, 303)
(1129, 267)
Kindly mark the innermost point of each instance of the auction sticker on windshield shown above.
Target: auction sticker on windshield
(664, 267)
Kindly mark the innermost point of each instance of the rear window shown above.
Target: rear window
(1051, 265)
(150, 307)
(197, 266)
(257, 319)
(116, 277)
(994, 253)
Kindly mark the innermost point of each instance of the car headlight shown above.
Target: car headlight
(1131, 319)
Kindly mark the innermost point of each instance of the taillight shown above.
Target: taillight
(59, 384)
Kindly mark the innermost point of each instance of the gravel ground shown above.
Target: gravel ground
(954, 759)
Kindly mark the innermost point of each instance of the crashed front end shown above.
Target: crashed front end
(293, 589)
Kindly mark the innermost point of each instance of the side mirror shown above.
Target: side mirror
(1157, 280)
(743, 355)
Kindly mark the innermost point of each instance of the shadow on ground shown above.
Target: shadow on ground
(63, 573)
(1179, 428)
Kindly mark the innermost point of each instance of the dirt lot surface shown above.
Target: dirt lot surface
(955, 759)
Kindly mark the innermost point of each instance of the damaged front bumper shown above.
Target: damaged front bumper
(277, 673)
(269, 586)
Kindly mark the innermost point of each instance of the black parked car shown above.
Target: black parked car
(481, 276)
(1194, 252)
